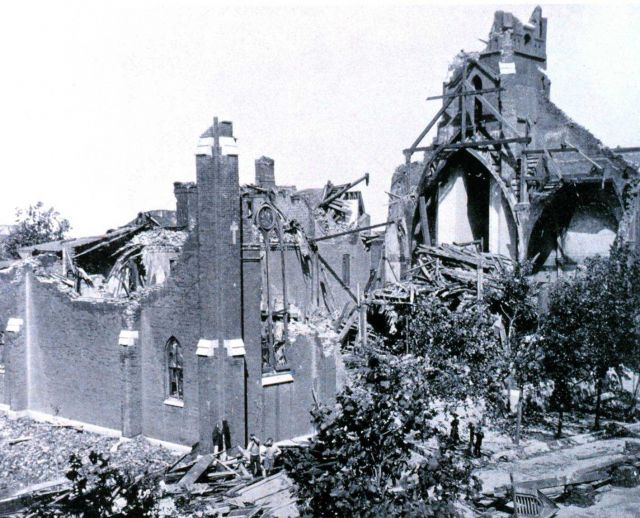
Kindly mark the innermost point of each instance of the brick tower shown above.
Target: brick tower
(220, 349)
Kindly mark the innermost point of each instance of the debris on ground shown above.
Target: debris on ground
(576, 475)
(34, 458)
(32, 452)
(211, 485)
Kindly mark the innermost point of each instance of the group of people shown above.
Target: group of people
(262, 458)
(476, 435)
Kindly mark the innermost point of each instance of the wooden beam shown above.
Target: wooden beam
(556, 169)
(597, 166)
(467, 93)
(542, 151)
(361, 229)
(486, 143)
(446, 105)
(417, 149)
(463, 104)
(424, 221)
(625, 149)
(337, 277)
(494, 111)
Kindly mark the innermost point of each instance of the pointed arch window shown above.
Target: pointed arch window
(174, 368)
(477, 105)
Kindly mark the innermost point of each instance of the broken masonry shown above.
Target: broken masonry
(508, 169)
(218, 312)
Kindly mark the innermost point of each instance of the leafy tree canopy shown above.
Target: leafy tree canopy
(35, 225)
(592, 324)
(378, 452)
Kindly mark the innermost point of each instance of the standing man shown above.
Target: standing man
(479, 437)
(455, 432)
(270, 453)
(471, 438)
(254, 456)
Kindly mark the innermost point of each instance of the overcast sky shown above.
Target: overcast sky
(101, 105)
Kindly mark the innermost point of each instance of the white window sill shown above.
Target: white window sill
(276, 379)
(173, 401)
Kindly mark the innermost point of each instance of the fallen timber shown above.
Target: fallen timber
(609, 467)
(222, 486)
(446, 271)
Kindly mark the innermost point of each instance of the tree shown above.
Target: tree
(562, 338)
(592, 324)
(35, 225)
(463, 350)
(378, 452)
(514, 301)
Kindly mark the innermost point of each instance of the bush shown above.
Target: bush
(99, 490)
(378, 452)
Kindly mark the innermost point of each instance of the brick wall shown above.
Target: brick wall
(10, 286)
(283, 411)
(174, 311)
(74, 356)
(221, 378)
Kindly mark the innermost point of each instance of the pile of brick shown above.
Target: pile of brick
(35, 455)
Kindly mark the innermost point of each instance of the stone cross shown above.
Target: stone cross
(234, 228)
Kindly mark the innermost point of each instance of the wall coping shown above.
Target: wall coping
(14, 325)
(235, 347)
(206, 347)
(276, 379)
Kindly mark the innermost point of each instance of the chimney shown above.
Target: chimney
(265, 175)
(186, 204)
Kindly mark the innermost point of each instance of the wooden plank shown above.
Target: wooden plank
(424, 221)
(493, 110)
(487, 143)
(353, 231)
(172, 467)
(347, 326)
(431, 123)
(463, 103)
(196, 470)
(466, 93)
(337, 277)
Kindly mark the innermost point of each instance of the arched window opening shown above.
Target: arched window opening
(477, 105)
(527, 39)
(174, 368)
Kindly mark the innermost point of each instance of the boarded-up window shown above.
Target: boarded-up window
(174, 368)
(346, 269)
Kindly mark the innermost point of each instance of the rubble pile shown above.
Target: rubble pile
(208, 486)
(34, 458)
(34, 453)
(448, 272)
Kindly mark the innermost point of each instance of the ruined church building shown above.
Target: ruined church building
(223, 312)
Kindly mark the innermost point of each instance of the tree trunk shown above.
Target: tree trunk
(559, 430)
(634, 400)
(596, 425)
(519, 416)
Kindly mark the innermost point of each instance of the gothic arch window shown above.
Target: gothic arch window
(477, 105)
(174, 365)
(527, 39)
